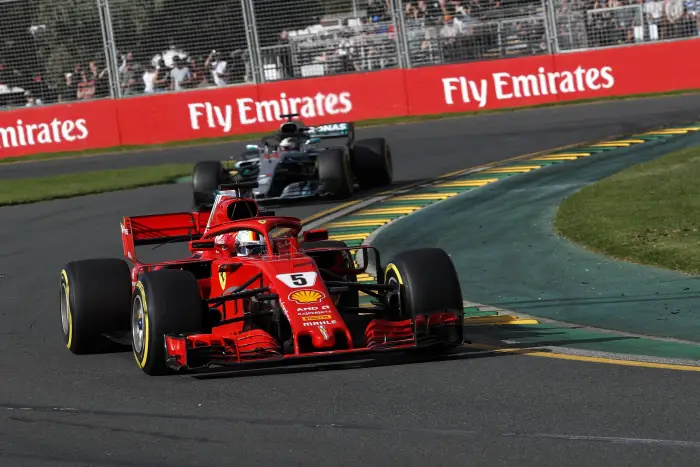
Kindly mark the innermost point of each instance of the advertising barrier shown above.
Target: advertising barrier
(487, 85)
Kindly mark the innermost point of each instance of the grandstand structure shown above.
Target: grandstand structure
(57, 51)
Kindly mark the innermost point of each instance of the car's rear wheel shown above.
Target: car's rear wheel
(372, 164)
(428, 286)
(335, 173)
(95, 297)
(164, 302)
(206, 178)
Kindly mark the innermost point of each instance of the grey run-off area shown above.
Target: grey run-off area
(59, 409)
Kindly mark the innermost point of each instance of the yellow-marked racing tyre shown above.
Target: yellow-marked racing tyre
(95, 297)
(164, 302)
(429, 290)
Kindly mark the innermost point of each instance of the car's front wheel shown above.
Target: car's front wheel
(430, 294)
(164, 302)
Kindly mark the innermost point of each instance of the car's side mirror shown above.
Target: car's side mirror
(252, 147)
(201, 245)
(313, 141)
(315, 235)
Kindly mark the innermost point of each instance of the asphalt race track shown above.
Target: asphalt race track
(492, 409)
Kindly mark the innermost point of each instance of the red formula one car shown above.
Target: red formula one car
(253, 291)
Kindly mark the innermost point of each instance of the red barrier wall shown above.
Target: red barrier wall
(391, 93)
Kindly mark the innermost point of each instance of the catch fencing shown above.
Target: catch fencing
(59, 51)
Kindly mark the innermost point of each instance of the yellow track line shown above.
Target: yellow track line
(425, 196)
(668, 132)
(497, 319)
(556, 158)
(582, 358)
(347, 237)
(380, 211)
(367, 223)
(520, 169)
(578, 154)
(465, 183)
(327, 212)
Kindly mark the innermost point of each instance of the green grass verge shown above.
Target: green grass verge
(31, 190)
(647, 214)
(360, 124)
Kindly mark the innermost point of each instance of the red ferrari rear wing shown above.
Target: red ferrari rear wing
(161, 228)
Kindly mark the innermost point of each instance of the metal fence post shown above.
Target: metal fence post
(109, 49)
(257, 73)
(256, 44)
(404, 55)
(550, 24)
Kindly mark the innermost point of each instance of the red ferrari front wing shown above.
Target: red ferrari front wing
(202, 350)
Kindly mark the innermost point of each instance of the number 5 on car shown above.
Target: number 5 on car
(301, 279)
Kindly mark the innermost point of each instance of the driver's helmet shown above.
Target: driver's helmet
(249, 242)
(289, 144)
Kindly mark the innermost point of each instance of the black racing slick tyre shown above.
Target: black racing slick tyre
(95, 297)
(335, 173)
(428, 284)
(372, 164)
(164, 302)
(206, 178)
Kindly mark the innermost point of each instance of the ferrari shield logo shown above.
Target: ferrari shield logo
(222, 279)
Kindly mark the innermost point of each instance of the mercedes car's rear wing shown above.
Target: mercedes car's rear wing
(334, 130)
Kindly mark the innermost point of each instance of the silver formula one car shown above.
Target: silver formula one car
(293, 164)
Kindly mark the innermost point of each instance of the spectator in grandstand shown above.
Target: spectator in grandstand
(180, 76)
(378, 9)
(285, 55)
(127, 75)
(99, 79)
(455, 8)
(199, 77)
(31, 100)
(413, 10)
(448, 40)
(161, 79)
(218, 67)
(92, 83)
(68, 90)
(345, 53)
(149, 77)
(86, 86)
(127, 62)
(432, 11)
(408, 9)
